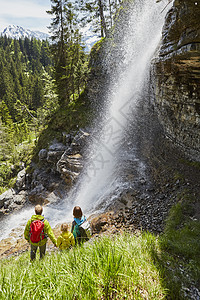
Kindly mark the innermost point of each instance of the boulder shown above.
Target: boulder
(42, 154)
(71, 162)
(53, 154)
(99, 223)
(79, 141)
(20, 198)
(7, 197)
(69, 166)
(38, 195)
(11, 200)
(21, 180)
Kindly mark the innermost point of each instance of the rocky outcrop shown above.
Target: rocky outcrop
(177, 77)
(71, 162)
(12, 200)
(58, 168)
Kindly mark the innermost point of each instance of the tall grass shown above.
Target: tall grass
(107, 268)
(119, 267)
(179, 255)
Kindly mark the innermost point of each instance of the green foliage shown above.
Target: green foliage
(100, 14)
(66, 118)
(22, 64)
(13, 154)
(50, 104)
(69, 58)
(27, 100)
(97, 46)
(118, 268)
(179, 258)
(195, 164)
(182, 233)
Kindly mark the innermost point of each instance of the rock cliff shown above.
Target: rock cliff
(177, 77)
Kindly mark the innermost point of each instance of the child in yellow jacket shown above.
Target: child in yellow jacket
(66, 239)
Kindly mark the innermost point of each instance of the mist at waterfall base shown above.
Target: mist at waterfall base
(100, 182)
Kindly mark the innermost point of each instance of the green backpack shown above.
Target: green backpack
(82, 232)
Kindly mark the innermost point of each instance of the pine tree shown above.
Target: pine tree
(22, 90)
(37, 94)
(5, 145)
(50, 103)
(46, 58)
(22, 94)
(65, 47)
(60, 36)
(100, 13)
(5, 116)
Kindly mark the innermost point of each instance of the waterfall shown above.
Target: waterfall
(100, 181)
(139, 44)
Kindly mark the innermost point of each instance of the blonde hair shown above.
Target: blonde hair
(38, 209)
(64, 227)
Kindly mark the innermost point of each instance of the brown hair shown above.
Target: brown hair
(64, 227)
(77, 212)
(38, 209)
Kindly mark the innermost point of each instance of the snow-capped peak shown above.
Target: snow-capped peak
(16, 32)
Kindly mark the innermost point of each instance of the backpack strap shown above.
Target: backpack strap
(45, 234)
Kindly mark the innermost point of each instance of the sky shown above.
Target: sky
(30, 14)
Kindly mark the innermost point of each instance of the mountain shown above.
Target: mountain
(89, 38)
(16, 32)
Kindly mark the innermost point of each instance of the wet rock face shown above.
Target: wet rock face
(70, 164)
(60, 165)
(177, 77)
(182, 26)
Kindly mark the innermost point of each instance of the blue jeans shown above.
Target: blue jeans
(34, 250)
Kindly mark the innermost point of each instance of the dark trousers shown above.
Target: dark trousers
(34, 250)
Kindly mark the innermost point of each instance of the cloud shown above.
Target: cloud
(23, 8)
(29, 14)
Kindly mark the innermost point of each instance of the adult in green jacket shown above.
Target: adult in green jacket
(47, 232)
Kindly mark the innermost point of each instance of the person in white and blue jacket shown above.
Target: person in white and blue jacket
(78, 232)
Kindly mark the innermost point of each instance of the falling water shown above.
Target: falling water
(100, 180)
(140, 41)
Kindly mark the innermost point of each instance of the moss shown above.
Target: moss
(67, 118)
(178, 177)
(97, 46)
(190, 163)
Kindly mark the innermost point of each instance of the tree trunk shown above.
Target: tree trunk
(103, 23)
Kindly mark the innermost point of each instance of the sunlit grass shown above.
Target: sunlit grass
(125, 266)
(119, 268)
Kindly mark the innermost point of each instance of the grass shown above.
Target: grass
(125, 266)
(107, 268)
(179, 245)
